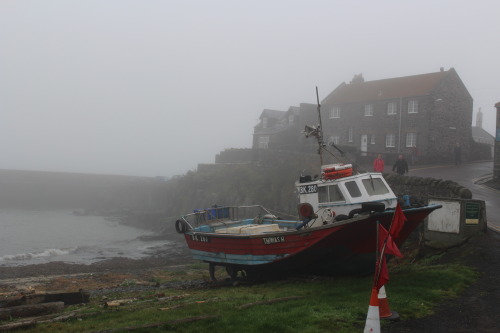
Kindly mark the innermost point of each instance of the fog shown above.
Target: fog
(152, 88)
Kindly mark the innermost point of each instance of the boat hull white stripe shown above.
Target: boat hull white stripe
(237, 259)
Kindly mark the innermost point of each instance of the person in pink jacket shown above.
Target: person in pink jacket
(378, 164)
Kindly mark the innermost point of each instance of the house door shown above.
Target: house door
(364, 144)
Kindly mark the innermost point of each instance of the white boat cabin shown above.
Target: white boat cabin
(338, 192)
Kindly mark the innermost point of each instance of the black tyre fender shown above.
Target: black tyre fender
(180, 226)
(355, 212)
(341, 217)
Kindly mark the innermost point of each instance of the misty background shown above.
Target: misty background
(152, 88)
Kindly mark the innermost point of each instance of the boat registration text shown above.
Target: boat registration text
(305, 189)
(198, 238)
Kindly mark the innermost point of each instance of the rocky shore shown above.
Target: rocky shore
(58, 276)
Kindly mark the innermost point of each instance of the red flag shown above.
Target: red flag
(398, 221)
(386, 243)
(382, 274)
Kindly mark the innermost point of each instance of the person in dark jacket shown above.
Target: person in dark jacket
(400, 166)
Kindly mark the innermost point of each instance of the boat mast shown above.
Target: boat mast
(320, 130)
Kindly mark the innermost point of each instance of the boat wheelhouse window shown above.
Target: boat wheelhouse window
(375, 186)
(323, 194)
(330, 193)
(353, 189)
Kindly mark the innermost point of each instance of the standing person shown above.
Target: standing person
(400, 165)
(458, 154)
(414, 155)
(378, 164)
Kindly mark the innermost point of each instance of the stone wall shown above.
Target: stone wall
(449, 120)
(21, 189)
(421, 189)
(235, 155)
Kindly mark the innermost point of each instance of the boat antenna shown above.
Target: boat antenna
(320, 130)
(318, 133)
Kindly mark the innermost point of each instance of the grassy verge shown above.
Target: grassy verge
(312, 304)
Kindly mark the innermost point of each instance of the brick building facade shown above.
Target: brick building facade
(282, 129)
(422, 116)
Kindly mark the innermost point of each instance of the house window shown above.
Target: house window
(368, 110)
(413, 106)
(335, 139)
(290, 119)
(335, 112)
(411, 139)
(263, 142)
(264, 122)
(392, 108)
(390, 140)
(349, 135)
(372, 139)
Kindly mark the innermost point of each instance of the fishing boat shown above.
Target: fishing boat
(338, 213)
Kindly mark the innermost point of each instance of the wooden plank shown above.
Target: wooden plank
(69, 298)
(30, 310)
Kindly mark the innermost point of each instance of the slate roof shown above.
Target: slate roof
(394, 88)
(295, 110)
(481, 133)
(272, 114)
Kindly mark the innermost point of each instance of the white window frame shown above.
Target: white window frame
(390, 140)
(350, 135)
(413, 106)
(411, 139)
(392, 108)
(264, 142)
(372, 139)
(264, 122)
(368, 110)
(335, 139)
(334, 112)
(291, 118)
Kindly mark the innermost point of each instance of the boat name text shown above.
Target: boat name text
(273, 240)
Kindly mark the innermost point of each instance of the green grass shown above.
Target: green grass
(325, 304)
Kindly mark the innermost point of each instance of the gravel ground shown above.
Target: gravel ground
(476, 310)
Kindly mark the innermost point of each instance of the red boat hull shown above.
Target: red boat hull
(328, 245)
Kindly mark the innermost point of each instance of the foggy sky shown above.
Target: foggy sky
(153, 88)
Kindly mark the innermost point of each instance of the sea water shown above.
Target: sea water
(34, 237)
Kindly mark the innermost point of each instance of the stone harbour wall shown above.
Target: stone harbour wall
(421, 189)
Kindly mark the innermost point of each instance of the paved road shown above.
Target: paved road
(467, 175)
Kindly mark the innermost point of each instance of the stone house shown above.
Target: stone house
(480, 135)
(281, 129)
(421, 116)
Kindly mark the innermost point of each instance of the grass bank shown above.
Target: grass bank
(297, 304)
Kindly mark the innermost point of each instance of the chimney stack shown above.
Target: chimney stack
(479, 119)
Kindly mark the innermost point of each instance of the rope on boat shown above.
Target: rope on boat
(278, 213)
